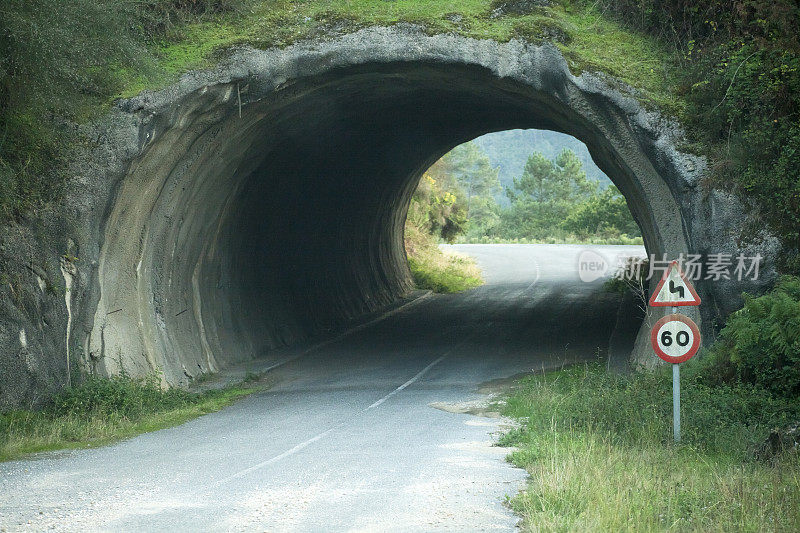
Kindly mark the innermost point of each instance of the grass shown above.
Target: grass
(599, 451)
(104, 410)
(432, 269)
(589, 41)
(570, 239)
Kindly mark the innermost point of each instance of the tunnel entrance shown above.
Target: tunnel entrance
(268, 207)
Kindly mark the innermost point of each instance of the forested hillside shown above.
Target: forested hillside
(550, 198)
(509, 151)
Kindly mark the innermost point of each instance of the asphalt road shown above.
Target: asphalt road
(361, 434)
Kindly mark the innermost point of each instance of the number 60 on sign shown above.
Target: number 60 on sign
(675, 338)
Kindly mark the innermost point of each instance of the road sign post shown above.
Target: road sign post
(675, 337)
(676, 401)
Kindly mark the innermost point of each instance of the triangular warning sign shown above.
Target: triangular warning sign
(674, 289)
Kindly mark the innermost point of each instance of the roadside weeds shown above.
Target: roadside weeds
(598, 449)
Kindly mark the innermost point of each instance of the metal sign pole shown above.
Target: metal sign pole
(676, 397)
(676, 401)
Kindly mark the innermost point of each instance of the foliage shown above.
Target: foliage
(598, 448)
(545, 193)
(118, 396)
(476, 185)
(457, 195)
(760, 343)
(54, 56)
(605, 213)
(101, 410)
(621, 239)
(163, 18)
(436, 210)
(740, 78)
(554, 198)
(59, 62)
(509, 151)
(437, 271)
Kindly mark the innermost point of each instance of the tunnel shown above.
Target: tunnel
(266, 202)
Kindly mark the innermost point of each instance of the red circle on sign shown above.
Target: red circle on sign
(692, 349)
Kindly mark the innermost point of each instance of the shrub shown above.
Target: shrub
(160, 17)
(760, 344)
(59, 59)
(120, 396)
(740, 79)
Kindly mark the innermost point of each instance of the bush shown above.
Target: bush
(434, 270)
(599, 451)
(59, 59)
(120, 396)
(740, 65)
(760, 344)
(160, 17)
(636, 408)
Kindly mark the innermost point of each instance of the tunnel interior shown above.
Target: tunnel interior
(249, 224)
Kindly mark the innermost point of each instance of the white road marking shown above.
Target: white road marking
(406, 384)
(277, 458)
(319, 436)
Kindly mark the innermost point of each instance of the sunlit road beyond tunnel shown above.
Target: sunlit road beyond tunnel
(363, 433)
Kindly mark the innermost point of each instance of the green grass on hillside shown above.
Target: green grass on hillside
(600, 455)
(590, 41)
(104, 410)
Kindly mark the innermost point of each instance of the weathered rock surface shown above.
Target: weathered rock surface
(261, 202)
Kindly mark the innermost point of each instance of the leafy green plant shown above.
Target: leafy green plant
(433, 270)
(599, 451)
(739, 76)
(61, 61)
(118, 396)
(101, 410)
(760, 343)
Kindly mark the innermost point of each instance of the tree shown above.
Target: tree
(605, 213)
(436, 210)
(458, 192)
(544, 195)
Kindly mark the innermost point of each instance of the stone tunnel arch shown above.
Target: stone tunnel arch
(266, 199)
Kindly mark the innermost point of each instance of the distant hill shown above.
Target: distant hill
(510, 149)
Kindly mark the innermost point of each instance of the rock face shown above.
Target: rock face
(256, 204)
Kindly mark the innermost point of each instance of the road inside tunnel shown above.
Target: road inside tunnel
(348, 436)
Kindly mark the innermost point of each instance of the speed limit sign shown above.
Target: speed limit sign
(675, 338)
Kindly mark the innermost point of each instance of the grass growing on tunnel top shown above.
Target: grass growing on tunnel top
(435, 270)
(589, 40)
(146, 48)
(599, 451)
(103, 410)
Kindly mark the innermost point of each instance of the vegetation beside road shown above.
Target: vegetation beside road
(435, 270)
(599, 446)
(103, 410)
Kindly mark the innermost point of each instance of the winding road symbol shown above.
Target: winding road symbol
(674, 289)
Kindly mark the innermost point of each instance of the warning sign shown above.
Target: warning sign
(674, 289)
